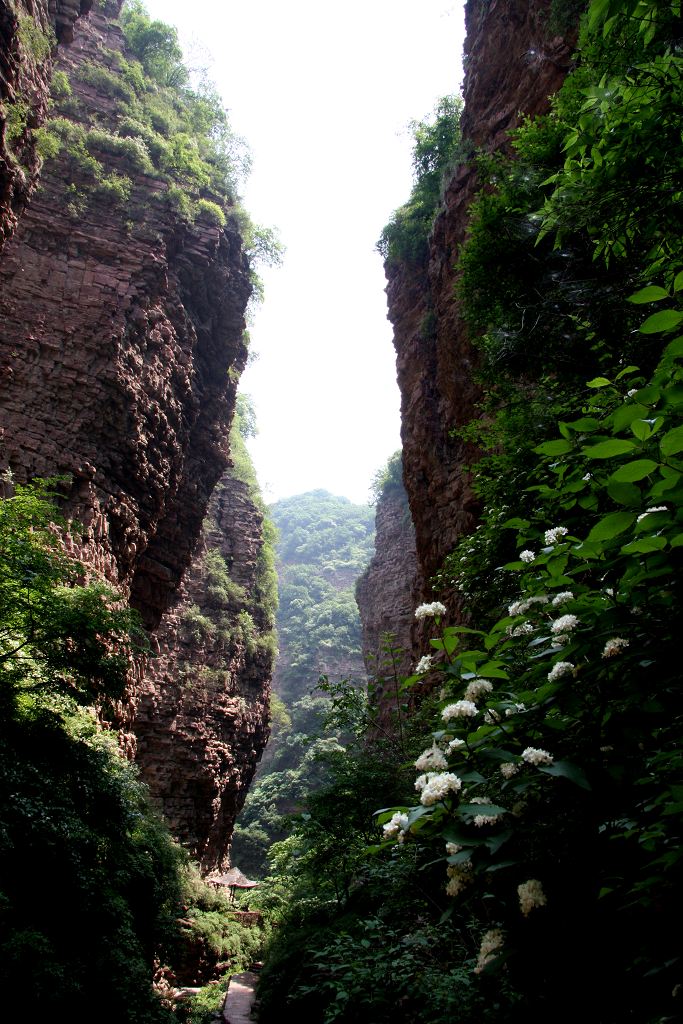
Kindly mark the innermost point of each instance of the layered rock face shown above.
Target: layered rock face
(386, 593)
(202, 719)
(120, 323)
(513, 66)
(121, 341)
(29, 32)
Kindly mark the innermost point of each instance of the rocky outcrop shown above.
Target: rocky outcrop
(121, 342)
(513, 65)
(29, 32)
(120, 322)
(386, 592)
(202, 719)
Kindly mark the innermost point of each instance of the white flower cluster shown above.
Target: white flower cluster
(655, 508)
(454, 745)
(531, 895)
(460, 709)
(614, 646)
(431, 760)
(491, 717)
(508, 769)
(485, 819)
(562, 598)
(476, 687)
(491, 942)
(424, 664)
(527, 555)
(459, 877)
(452, 849)
(559, 669)
(428, 611)
(438, 786)
(523, 629)
(398, 823)
(522, 607)
(552, 536)
(631, 392)
(564, 624)
(534, 755)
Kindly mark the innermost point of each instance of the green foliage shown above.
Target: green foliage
(210, 211)
(389, 477)
(33, 39)
(436, 150)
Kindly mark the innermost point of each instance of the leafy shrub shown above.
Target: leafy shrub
(210, 211)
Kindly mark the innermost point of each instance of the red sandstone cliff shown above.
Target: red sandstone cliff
(386, 593)
(513, 66)
(202, 718)
(121, 341)
(29, 33)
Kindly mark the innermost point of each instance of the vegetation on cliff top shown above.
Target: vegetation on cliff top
(541, 841)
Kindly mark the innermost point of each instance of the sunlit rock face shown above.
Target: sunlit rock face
(29, 33)
(513, 66)
(121, 341)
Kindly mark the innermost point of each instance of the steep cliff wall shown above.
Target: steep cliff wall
(386, 592)
(514, 63)
(122, 300)
(202, 719)
(29, 33)
(120, 322)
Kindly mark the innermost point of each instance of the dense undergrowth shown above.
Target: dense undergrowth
(532, 870)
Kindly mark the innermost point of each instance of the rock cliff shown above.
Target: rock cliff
(386, 592)
(514, 63)
(121, 342)
(29, 33)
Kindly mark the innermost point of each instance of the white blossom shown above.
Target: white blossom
(485, 819)
(562, 639)
(398, 821)
(631, 392)
(586, 477)
(461, 709)
(534, 755)
(552, 536)
(438, 787)
(491, 716)
(491, 942)
(516, 709)
(564, 624)
(455, 745)
(523, 629)
(427, 611)
(531, 895)
(614, 646)
(522, 607)
(424, 664)
(452, 849)
(527, 555)
(476, 687)
(559, 669)
(508, 769)
(562, 598)
(655, 508)
(459, 876)
(431, 760)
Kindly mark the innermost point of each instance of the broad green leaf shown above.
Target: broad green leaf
(632, 471)
(585, 425)
(653, 293)
(626, 372)
(626, 414)
(650, 394)
(677, 541)
(608, 449)
(673, 349)
(554, 448)
(599, 382)
(642, 429)
(624, 494)
(515, 524)
(672, 442)
(644, 546)
(664, 320)
(678, 281)
(567, 770)
(611, 526)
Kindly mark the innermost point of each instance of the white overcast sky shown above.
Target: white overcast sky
(323, 93)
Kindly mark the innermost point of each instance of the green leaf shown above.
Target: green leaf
(611, 526)
(599, 382)
(653, 293)
(626, 414)
(644, 546)
(624, 494)
(642, 429)
(608, 449)
(664, 320)
(672, 442)
(677, 541)
(554, 448)
(567, 770)
(678, 281)
(632, 471)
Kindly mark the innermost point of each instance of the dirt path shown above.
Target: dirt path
(240, 999)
